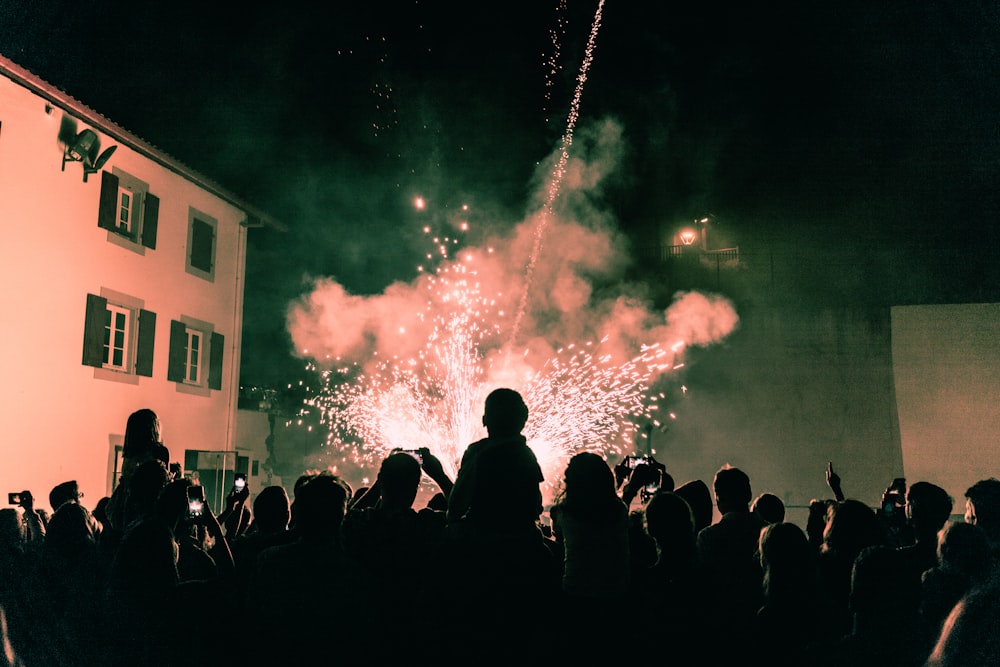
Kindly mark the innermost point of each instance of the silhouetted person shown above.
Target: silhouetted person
(269, 528)
(499, 477)
(668, 597)
(928, 507)
(140, 444)
(66, 584)
(313, 600)
(884, 612)
(496, 571)
(970, 634)
(852, 526)
(396, 544)
(982, 508)
(786, 620)
(727, 551)
(964, 556)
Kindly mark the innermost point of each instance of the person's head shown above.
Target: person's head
(320, 505)
(505, 413)
(12, 529)
(963, 547)
(699, 498)
(272, 509)
(71, 531)
(982, 505)
(399, 479)
(851, 527)
(67, 492)
(142, 434)
(588, 483)
(928, 507)
(669, 520)
(785, 558)
(732, 490)
(769, 507)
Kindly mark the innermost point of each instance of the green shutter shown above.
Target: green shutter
(202, 240)
(150, 215)
(93, 331)
(216, 351)
(144, 344)
(107, 214)
(177, 359)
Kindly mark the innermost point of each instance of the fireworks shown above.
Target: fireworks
(579, 399)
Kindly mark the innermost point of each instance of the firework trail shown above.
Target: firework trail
(559, 172)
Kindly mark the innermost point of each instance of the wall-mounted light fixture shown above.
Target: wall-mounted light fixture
(83, 147)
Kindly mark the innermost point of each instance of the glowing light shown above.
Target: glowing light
(688, 236)
(419, 203)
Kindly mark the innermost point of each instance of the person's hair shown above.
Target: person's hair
(732, 487)
(769, 507)
(930, 506)
(399, 475)
(12, 528)
(320, 505)
(63, 493)
(963, 547)
(272, 509)
(786, 558)
(699, 498)
(669, 519)
(985, 496)
(852, 527)
(505, 412)
(589, 486)
(142, 433)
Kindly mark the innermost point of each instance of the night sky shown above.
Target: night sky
(871, 127)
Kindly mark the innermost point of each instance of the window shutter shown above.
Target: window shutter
(177, 359)
(216, 349)
(107, 213)
(93, 331)
(150, 215)
(144, 344)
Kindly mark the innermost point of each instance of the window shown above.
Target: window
(118, 334)
(196, 353)
(192, 365)
(128, 211)
(201, 245)
(116, 338)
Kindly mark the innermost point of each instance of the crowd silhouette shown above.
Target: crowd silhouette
(628, 568)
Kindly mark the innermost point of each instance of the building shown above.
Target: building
(122, 288)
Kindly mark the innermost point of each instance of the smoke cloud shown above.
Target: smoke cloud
(576, 295)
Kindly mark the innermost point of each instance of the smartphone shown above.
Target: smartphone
(13, 498)
(415, 453)
(196, 501)
(239, 482)
(635, 461)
